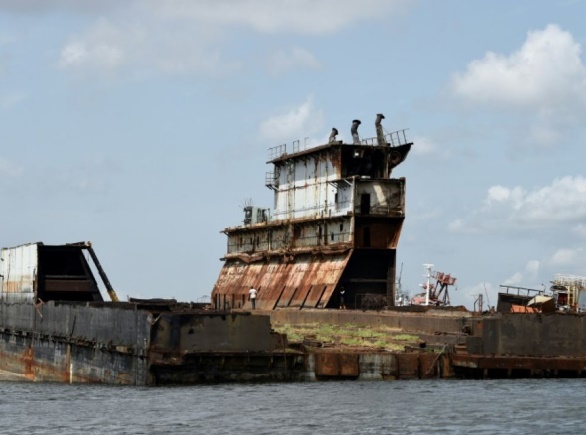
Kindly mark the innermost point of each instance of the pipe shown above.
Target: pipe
(333, 135)
(380, 135)
(354, 130)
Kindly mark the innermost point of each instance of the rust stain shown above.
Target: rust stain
(28, 361)
(299, 281)
(518, 362)
(336, 364)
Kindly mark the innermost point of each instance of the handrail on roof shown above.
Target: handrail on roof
(394, 138)
(277, 151)
(519, 290)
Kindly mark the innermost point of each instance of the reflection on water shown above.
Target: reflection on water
(436, 406)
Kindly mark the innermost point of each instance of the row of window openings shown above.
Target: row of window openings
(365, 237)
(297, 234)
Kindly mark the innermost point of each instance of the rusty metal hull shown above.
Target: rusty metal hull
(495, 367)
(523, 345)
(138, 344)
(50, 360)
(306, 280)
(303, 281)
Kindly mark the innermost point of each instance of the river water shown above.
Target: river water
(392, 407)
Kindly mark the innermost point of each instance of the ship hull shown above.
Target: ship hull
(130, 344)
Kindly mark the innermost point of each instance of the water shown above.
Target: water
(397, 407)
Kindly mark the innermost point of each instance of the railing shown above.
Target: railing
(397, 138)
(520, 291)
(296, 146)
(270, 180)
(394, 138)
(278, 151)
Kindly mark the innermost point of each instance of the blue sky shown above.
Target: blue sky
(143, 126)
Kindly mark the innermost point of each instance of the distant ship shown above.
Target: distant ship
(335, 225)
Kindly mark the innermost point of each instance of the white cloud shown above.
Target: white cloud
(307, 17)
(532, 267)
(566, 257)
(99, 55)
(544, 81)
(545, 71)
(111, 48)
(297, 57)
(103, 47)
(501, 194)
(531, 272)
(515, 279)
(288, 16)
(186, 37)
(562, 202)
(304, 119)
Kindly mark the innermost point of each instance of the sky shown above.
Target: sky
(144, 126)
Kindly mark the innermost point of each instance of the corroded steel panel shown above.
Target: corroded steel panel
(68, 285)
(519, 362)
(428, 365)
(19, 267)
(337, 364)
(304, 281)
(408, 365)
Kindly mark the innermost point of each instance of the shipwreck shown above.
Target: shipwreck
(336, 223)
(333, 232)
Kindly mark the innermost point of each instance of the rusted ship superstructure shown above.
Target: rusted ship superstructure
(336, 224)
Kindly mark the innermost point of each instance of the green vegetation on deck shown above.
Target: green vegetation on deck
(348, 336)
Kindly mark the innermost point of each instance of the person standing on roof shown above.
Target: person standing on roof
(252, 296)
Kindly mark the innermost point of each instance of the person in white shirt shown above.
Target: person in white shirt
(252, 296)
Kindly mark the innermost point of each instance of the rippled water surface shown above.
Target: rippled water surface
(443, 406)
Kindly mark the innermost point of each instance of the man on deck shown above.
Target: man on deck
(252, 296)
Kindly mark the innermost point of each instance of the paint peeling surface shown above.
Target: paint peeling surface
(303, 281)
(18, 269)
(139, 343)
